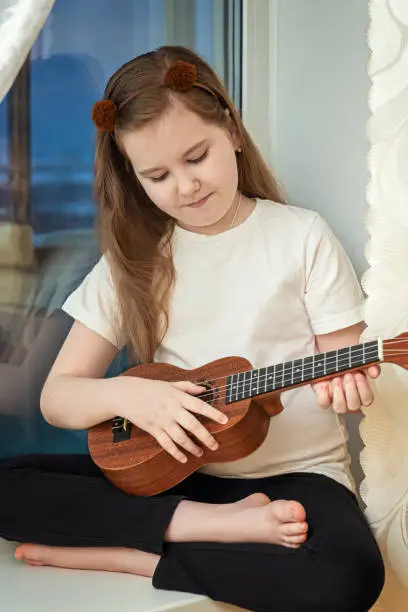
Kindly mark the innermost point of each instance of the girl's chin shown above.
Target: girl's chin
(203, 226)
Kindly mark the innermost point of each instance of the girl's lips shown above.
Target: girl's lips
(199, 203)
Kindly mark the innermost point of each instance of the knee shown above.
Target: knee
(365, 586)
(330, 585)
(342, 586)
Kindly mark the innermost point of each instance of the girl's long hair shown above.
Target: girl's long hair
(135, 234)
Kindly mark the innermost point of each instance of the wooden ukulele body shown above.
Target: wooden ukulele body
(140, 466)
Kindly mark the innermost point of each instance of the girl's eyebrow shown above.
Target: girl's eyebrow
(185, 154)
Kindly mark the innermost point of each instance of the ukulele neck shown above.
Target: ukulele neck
(283, 376)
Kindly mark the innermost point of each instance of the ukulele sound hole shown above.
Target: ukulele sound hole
(121, 429)
(210, 394)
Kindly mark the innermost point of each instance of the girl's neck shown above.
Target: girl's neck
(237, 214)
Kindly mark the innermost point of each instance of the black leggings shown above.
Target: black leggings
(64, 500)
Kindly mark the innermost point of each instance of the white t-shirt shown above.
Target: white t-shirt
(262, 291)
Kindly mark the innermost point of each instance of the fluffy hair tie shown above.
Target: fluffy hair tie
(181, 76)
(104, 115)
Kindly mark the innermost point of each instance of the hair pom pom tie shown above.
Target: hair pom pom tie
(181, 76)
(104, 115)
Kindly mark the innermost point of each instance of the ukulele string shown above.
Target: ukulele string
(278, 378)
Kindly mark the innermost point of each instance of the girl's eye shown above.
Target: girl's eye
(158, 179)
(197, 160)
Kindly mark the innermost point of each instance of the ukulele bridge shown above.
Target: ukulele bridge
(121, 429)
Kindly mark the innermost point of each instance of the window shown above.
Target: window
(80, 46)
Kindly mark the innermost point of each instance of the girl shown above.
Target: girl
(202, 259)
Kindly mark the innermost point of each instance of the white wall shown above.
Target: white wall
(321, 112)
(321, 94)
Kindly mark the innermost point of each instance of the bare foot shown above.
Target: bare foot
(278, 522)
(122, 560)
(252, 519)
(284, 522)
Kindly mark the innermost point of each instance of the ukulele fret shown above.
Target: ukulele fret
(263, 380)
(247, 384)
(270, 378)
(240, 386)
(279, 376)
(297, 371)
(234, 387)
(287, 373)
(254, 382)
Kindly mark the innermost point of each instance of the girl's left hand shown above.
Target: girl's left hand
(347, 393)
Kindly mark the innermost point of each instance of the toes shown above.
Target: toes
(295, 529)
(296, 540)
(288, 511)
(31, 554)
(21, 552)
(298, 512)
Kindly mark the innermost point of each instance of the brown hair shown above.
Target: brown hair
(135, 234)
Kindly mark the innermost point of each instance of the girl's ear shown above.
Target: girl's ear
(233, 131)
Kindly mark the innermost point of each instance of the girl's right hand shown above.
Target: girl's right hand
(164, 410)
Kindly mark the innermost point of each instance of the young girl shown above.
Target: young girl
(202, 259)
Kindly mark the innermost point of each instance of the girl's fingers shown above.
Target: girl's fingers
(339, 400)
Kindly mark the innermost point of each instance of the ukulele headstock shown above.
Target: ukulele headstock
(395, 350)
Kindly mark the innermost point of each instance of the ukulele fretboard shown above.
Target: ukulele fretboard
(245, 385)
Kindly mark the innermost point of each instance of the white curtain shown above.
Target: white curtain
(385, 428)
(20, 24)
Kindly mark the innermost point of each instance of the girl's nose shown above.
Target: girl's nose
(188, 185)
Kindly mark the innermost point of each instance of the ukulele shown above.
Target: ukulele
(134, 461)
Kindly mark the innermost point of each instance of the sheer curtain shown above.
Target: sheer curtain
(20, 23)
(385, 428)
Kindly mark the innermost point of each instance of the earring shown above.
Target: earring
(239, 150)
